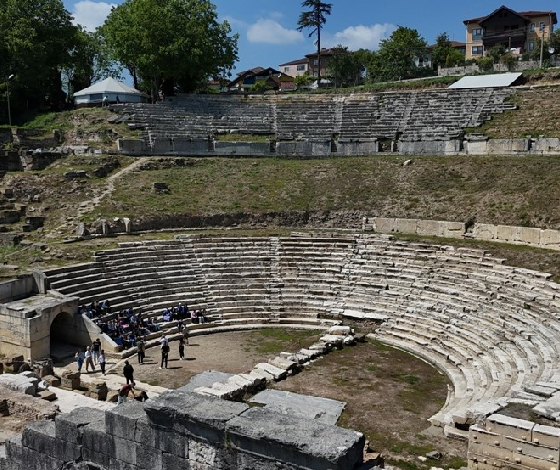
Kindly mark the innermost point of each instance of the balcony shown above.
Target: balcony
(504, 37)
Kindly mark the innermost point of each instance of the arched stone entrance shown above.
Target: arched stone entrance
(63, 336)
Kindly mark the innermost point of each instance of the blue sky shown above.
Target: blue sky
(267, 28)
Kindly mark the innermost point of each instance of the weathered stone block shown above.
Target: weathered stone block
(70, 426)
(193, 414)
(303, 442)
(40, 436)
(546, 436)
(96, 442)
(518, 428)
(121, 420)
(161, 438)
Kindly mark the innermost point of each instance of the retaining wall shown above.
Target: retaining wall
(365, 147)
(183, 430)
(504, 442)
(537, 237)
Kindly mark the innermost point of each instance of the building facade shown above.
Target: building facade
(296, 68)
(518, 32)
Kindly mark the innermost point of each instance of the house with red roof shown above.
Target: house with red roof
(517, 31)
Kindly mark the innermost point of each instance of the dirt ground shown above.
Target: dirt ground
(225, 352)
(389, 394)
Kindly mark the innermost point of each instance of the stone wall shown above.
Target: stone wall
(27, 310)
(308, 148)
(504, 442)
(537, 237)
(183, 430)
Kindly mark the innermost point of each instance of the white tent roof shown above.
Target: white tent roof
(109, 85)
(487, 81)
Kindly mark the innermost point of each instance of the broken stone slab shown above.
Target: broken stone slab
(19, 383)
(261, 374)
(349, 340)
(311, 353)
(47, 395)
(321, 347)
(540, 390)
(286, 364)
(276, 372)
(340, 330)
(205, 379)
(324, 410)
(477, 412)
(52, 380)
(549, 408)
(216, 392)
(255, 383)
(335, 340)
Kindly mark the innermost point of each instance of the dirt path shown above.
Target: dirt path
(90, 204)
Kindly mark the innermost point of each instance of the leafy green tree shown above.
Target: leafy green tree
(88, 62)
(496, 52)
(172, 44)
(394, 60)
(314, 19)
(441, 50)
(36, 40)
(554, 42)
(345, 68)
(454, 57)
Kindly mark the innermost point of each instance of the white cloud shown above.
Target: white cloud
(358, 37)
(91, 14)
(272, 32)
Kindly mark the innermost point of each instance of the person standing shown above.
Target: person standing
(141, 350)
(164, 355)
(128, 372)
(80, 358)
(102, 361)
(89, 360)
(95, 348)
(181, 348)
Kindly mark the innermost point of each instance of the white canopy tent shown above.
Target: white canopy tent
(110, 89)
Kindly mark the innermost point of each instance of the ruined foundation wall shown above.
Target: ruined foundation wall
(541, 238)
(504, 442)
(182, 430)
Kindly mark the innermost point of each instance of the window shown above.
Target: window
(301, 68)
(531, 46)
(532, 28)
(541, 26)
(316, 62)
(477, 34)
(286, 69)
(477, 50)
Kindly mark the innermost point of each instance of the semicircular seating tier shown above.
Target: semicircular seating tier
(492, 328)
(409, 115)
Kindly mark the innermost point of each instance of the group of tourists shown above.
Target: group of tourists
(92, 356)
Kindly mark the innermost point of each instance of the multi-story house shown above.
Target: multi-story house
(313, 60)
(296, 68)
(517, 31)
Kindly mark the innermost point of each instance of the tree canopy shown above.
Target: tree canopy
(36, 40)
(170, 43)
(395, 58)
(345, 67)
(314, 19)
